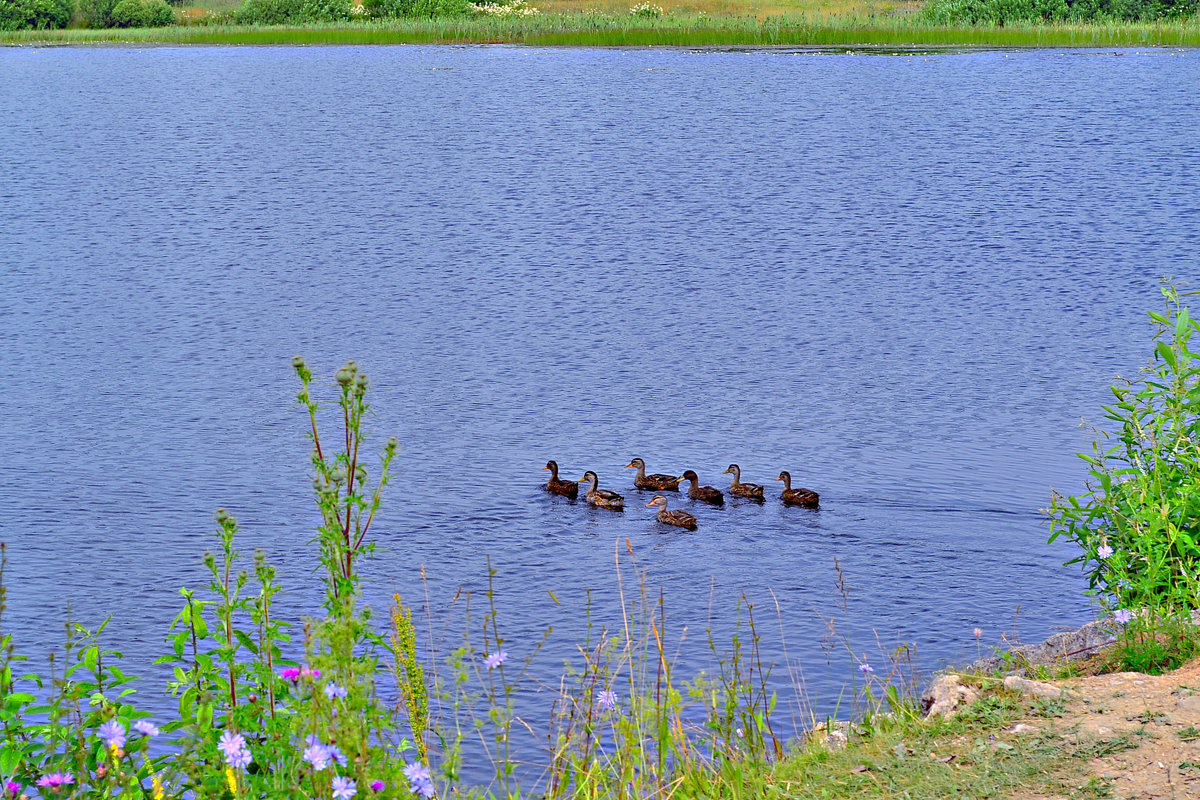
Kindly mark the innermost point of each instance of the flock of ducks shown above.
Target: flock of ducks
(605, 498)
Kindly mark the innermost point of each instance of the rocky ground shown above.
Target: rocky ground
(1150, 724)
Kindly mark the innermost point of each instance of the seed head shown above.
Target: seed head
(337, 474)
(343, 376)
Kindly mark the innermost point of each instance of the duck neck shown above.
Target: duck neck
(737, 474)
(787, 482)
(553, 471)
(641, 470)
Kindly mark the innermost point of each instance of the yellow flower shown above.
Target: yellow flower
(231, 776)
(158, 790)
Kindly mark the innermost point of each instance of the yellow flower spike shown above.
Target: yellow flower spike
(158, 790)
(116, 752)
(231, 776)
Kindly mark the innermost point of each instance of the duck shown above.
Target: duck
(706, 493)
(657, 481)
(601, 497)
(797, 497)
(751, 490)
(556, 486)
(680, 519)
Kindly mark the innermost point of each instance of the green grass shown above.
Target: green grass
(611, 30)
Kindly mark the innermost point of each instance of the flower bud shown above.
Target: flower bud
(343, 376)
(298, 362)
(221, 515)
(360, 474)
(352, 366)
(391, 445)
(361, 380)
(253, 698)
(337, 474)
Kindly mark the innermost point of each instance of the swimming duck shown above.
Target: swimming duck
(797, 497)
(680, 519)
(657, 481)
(706, 493)
(601, 497)
(565, 488)
(751, 490)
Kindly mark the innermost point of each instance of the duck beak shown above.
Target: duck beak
(779, 478)
(629, 466)
(650, 504)
(545, 468)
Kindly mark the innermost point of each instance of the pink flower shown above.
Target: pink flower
(55, 780)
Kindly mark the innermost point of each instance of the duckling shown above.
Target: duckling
(601, 497)
(657, 481)
(680, 519)
(751, 490)
(706, 493)
(565, 488)
(797, 497)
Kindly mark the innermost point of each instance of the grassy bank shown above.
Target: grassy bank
(683, 29)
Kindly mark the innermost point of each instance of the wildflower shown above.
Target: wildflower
(741, 733)
(493, 660)
(419, 780)
(378, 786)
(13, 788)
(317, 755)
(290, 674)
(146, 727)
(113, 734)
(1104, 551)
(343, 788)
(333, 691)
(606, 700)
(336, 755)
(233, 745)
(158, 788)
(231, 779)
(1123, 615)
(979, 633)
(864, 668)
(55, 780)
(308, 672)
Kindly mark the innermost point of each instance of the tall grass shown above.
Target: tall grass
(675, 30)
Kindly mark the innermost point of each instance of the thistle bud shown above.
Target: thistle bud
(337, 474)
(391, 445)
(343, 377)
(209, 560)
(221, 515)
(253, 698)
(298, 362)
(360, 474)
(361, 380)
(352, 366)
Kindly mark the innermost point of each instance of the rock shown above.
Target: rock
(1061, 647)
(945, 696)
(1015, 683)
(1021, 727)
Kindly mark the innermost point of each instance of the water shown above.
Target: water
(904, 279)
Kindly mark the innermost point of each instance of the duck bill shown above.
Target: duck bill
(651, 503)
(629, 466)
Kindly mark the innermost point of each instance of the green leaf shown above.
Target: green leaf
(1166, 354)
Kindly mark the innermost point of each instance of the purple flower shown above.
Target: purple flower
(606, 700)
(290, 674)
(146, 727)
(233, 745)
(55, 780)
(1123, 615)
(317, 755)
(1104, 551)
(308, 672)
(864, 668)
(13, 788)
(332, 691)
(419, 779)
(336, 755)
(343, 788)
(493, 660)
(113, 734)
(378, 786)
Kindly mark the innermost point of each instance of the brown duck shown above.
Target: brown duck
(680, 519)
(751, 490)
(657, 481)
(705, 493)
(601, 497)
(565, 488)
(797, 497)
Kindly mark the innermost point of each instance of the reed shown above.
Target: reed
(858, 32)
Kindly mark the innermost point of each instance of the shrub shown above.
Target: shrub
(16, 15)
(142, 14)
(417, 8)
(1138, 521)
(285, 12)
(1003, 12)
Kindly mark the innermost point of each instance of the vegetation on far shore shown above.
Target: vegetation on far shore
(903, 24)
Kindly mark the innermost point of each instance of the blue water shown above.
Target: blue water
(903, 278)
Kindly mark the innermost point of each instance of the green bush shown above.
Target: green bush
(1138, 521)
(16, 15)
(290, 12)
(417, 8)
(1003, 12)
(142, 14)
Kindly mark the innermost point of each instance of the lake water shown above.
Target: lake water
(903, 278)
